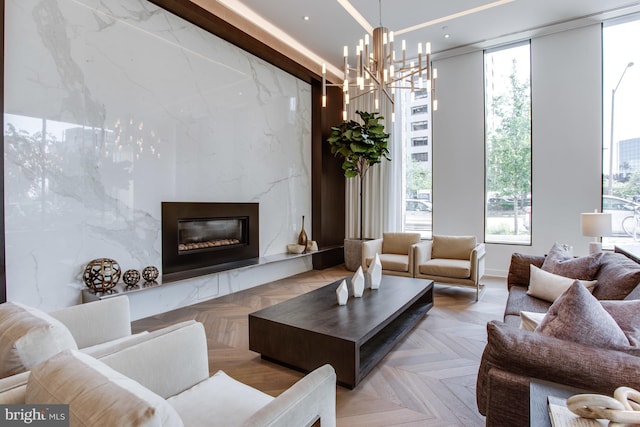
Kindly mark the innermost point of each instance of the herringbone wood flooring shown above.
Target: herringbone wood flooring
(428, 379)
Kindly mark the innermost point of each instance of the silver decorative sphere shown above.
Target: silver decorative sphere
(150, 273)
(131, 277)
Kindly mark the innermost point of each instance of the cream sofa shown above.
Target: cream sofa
(456, 260)
(29, 336)
(165, 381)
(396, 251)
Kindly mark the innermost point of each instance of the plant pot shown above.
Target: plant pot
(353, 253)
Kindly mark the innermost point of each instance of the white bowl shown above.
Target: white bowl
(295, 248)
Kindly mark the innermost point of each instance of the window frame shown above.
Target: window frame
(527, 219)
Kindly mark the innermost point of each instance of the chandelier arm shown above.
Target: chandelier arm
(387, 94)
(361, 94)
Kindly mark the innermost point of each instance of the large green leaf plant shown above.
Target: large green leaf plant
(361, 145)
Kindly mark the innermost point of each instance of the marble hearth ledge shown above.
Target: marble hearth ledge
(148, 300)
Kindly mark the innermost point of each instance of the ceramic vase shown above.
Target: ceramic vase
(357, 281)
(375, 272)
(302, 237)
(342, 292)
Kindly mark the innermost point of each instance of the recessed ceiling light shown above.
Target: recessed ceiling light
(306, 18)
(446, 36)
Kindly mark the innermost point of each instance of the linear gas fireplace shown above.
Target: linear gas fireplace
(204, 238)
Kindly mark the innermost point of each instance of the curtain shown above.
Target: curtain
(382, 184)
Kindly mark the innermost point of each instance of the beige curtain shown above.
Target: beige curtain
(381, 184)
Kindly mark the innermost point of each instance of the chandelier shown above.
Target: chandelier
(379, 73)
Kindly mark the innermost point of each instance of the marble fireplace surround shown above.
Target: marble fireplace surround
(113, 106)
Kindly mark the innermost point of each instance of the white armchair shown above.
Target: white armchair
(165, 381)
(29, 336)
(456, 260)
(395, 250)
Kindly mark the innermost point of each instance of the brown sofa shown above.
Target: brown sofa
(513, 356)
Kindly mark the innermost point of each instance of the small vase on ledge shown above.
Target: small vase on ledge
(302, 237)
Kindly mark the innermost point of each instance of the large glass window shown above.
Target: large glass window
(413, 115)
(621, 129)
(508, 214)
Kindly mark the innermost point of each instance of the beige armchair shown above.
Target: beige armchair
(396, 252)
(456, 260)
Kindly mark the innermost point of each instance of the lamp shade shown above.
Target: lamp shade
(596, 224)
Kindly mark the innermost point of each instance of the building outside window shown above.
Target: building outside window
(421, 125)
(621, 129)
(508, 214)
(419, 109)
(421, 94)
(413, 115)
(419, 142)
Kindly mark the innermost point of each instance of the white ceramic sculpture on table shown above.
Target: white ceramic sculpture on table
(342, 292)
(357, 281)
(375, 272)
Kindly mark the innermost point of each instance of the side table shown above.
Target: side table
(538, 392)
(631, 251)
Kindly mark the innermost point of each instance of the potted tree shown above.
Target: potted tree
(361, 145)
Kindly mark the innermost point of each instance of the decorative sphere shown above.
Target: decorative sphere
(150, 273)
(131, 277)
(101, 274)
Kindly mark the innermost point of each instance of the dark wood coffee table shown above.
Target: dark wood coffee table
(312, 329)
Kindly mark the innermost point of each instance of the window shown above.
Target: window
(415, 204)
(508, 145)
(421, 94)
(419, 142)
(420, 157)
(420, 109)
(422, 125)
(621, 130)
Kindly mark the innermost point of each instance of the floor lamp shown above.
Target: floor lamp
(597, 225)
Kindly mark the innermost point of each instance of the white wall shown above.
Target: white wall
(140, 107)
(566, 78)
(458, 147)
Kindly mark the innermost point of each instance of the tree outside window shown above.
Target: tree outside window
(508, 145)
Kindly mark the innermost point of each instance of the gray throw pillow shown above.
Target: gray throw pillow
(627, 316)
(579, 317)
(561, 262)
(617, 278)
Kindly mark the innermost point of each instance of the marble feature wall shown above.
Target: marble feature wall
(113, 106)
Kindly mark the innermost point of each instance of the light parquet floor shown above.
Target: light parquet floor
(428, 379)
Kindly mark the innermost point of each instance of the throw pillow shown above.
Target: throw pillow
(29, 336)
(548, 286)
(579, 317)
(627, 316)
(529, 320)
(561, 262)
(617, 278)
(97, 394)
